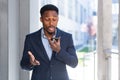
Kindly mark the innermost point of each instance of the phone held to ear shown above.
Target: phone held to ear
(54, 39)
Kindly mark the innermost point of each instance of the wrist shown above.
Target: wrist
(58, 50)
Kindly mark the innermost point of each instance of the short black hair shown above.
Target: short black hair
(48, 7)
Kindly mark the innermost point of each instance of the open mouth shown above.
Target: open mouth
(51, 29)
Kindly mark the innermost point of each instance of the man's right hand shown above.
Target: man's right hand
(33, 61)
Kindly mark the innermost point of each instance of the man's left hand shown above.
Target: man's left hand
(55, 45)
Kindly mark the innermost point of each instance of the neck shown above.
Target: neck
(49, 35)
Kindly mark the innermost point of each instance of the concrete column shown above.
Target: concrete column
(14, 25)
(3, 39)
(104, 39)
(13, 39)
(23, 30)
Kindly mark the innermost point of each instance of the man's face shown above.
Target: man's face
(49, 20)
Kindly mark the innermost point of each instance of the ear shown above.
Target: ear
(41, 19)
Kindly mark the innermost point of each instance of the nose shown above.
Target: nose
(51, 23)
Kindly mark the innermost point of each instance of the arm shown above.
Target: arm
(25, 62)
(68, 55)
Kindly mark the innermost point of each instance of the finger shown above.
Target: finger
(37, 62)
(31, 55)
(59, 39)
(50, 41)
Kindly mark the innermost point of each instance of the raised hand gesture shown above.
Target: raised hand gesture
(33, 61)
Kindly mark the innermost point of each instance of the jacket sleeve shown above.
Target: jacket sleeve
(25, 61)
(68, 54)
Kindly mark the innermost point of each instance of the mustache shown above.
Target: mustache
(51, 26)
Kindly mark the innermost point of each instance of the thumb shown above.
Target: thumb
(59, 38)
(37, 62)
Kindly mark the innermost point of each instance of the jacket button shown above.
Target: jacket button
(51, 77)
(51, 65)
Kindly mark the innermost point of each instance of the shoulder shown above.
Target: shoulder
(34, 34)
(63, 33)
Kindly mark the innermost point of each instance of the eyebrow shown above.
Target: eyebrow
(51, 17)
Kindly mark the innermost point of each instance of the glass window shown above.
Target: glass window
(43, 2)
(77, 16)
(115, 55)
(74, 21)
(70, 9)
(81, 14)
(61, 5)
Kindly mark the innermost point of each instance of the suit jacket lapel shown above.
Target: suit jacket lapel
(59, 34)
(42, 51)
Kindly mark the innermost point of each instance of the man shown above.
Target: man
(49, 50)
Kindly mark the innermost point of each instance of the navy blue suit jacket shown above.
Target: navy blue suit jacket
(54, 69)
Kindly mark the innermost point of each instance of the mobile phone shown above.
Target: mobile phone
(54, 39)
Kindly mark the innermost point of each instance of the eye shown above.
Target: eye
(47, 19)
(55, 19)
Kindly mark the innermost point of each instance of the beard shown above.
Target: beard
(48, 32)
